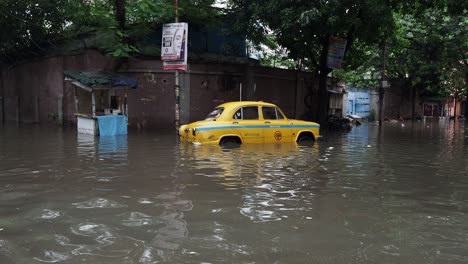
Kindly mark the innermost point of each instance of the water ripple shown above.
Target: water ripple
(137, 219)
(98, 203)
(50, 256)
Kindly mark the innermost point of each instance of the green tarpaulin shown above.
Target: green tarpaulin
(101, 78)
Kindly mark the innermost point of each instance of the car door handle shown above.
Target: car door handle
(267, 122)
(235, 122)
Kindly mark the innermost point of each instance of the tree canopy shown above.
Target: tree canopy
(424, 42)
(428, 49)
(35, 25)
(305, 27)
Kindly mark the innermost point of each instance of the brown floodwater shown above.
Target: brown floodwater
(396, 194)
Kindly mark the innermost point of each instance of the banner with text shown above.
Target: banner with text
(336, 51)
(174, 46)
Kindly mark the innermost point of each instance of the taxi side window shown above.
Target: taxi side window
(246, 113)
(271, 113)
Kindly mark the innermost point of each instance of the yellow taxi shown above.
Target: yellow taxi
(248, 122)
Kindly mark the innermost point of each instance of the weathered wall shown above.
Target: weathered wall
(398, 102)
(212, 84)
(9, 96)
(151, 104)
(36, 91)
(277, 86)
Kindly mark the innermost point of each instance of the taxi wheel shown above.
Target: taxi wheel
(230, 142)
(305, 139)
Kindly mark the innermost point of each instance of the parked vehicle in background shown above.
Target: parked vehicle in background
(248, 122)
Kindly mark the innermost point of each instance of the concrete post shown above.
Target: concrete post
(36, 109)
(93, 104)
(60, 109)
(185, 98)
(17, 99)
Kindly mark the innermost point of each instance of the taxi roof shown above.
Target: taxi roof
(236, 104)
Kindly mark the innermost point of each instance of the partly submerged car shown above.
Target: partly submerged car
(248, 122)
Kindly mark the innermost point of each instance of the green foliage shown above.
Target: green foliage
(29, 23)
(33, 26)
(123, 49)
(303, 27)
(429, 48)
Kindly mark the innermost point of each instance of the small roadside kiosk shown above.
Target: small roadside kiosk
(100, 101)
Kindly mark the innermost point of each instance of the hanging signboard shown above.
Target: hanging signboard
(175, 65)
(174, 46)
(336, 51)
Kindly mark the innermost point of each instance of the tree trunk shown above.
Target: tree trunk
(119, 6)
(119, 12)
(323, 99)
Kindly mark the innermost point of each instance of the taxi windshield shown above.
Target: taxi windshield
(215, 113)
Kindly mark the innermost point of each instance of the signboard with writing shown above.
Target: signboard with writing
(174, 36)
(336, 51)
(174, 46)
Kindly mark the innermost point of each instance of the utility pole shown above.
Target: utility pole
(177, 80)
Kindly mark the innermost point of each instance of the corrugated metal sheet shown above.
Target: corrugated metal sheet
(359, 102)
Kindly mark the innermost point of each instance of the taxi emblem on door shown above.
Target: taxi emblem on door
(278, 136)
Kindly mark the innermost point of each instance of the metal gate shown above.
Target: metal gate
(359, 103)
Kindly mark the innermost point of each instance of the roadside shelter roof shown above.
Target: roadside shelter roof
(90, 80)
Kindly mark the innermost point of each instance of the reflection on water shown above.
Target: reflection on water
(392, 195)
(86, 145)
(107, 147)
(248, 165)
(113, 147)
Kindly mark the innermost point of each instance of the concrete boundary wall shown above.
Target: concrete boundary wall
(35, 91)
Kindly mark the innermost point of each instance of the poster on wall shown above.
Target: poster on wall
(336, 51)
(174, 46)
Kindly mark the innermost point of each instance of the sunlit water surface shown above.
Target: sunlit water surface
(393, 195)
